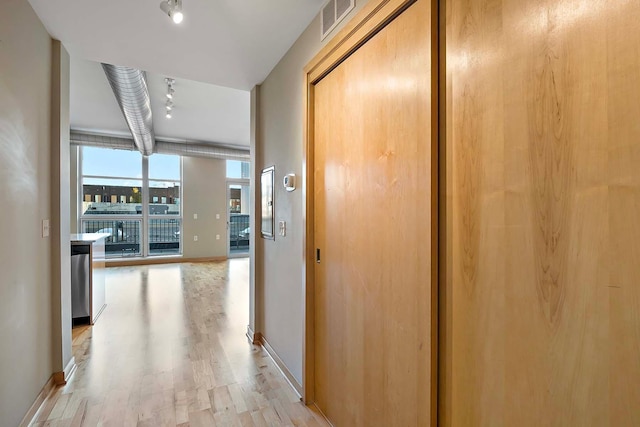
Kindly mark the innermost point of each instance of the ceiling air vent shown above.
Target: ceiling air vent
(332, 13)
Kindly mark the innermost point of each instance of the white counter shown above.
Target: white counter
(88, 237)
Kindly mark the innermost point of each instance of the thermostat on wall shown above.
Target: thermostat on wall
(289, 182)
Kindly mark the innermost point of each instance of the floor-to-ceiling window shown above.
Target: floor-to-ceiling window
(164, 204)
(134, 199)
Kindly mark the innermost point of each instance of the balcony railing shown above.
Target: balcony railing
(164, 236)
(125, 235)
(124, 239)
(239, 233)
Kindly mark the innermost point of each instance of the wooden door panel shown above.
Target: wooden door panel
(542, 114)
(372, 223)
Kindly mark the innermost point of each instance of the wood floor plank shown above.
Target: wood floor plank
(166, 352)
(220, 399)
(47, 406)
(245, 419)
(80, 413)
(75, 399)
(92, 415)
(202, 418)
(258, 419)
(236, 397)
(60, 407)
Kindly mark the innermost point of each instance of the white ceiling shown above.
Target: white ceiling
(202, 112)
(228, 43)
(222, 44)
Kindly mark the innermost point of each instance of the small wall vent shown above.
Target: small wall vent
(333, 12)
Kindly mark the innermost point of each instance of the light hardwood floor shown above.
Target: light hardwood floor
(170, 349)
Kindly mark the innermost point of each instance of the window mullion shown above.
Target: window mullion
(145, 206)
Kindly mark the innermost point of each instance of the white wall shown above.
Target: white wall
(204, 193)
(25, 166)
(278, 275)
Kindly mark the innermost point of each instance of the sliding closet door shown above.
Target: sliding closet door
(373, 218)
(542, 310)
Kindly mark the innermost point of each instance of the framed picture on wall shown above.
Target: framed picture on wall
(266, 197)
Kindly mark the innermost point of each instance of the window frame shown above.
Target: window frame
(144, 217)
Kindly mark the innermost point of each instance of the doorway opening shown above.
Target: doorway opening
(238, 218)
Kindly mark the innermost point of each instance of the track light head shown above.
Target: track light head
(170, 90)
(173, 8)
(166, 7)
(177, 17)
(169, 104)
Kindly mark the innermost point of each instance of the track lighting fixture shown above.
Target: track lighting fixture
(169, 104)
(173, 8)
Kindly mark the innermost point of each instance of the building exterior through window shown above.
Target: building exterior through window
(141, 213)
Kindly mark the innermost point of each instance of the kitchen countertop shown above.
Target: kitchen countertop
(87, 237)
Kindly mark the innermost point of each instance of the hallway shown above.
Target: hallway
(170, 349)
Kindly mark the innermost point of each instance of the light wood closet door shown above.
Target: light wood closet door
(543, 122)
(373, 218)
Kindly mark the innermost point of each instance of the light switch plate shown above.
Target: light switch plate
(45, 228)
(282, 225)
(217, 216)
(195, 238)
(217, 237)
(195, 216)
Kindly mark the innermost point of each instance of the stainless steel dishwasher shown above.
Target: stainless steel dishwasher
(80, 277)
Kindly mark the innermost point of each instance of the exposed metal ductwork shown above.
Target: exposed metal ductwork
(192, 149)
(132, 94)
(186, 148)
(101, 141)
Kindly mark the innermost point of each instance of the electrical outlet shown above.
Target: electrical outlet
(195, 238)
(283, 228)
(217, 237)
(195, 216)
(217, 216)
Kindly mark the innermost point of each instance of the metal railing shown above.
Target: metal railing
(164, 236)
(126, 238)
(239, 232)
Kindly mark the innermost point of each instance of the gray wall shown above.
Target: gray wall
(25, 171)
(204, 193)
(60, 238)
(278, 275)
(255, 266)
(73, 187)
